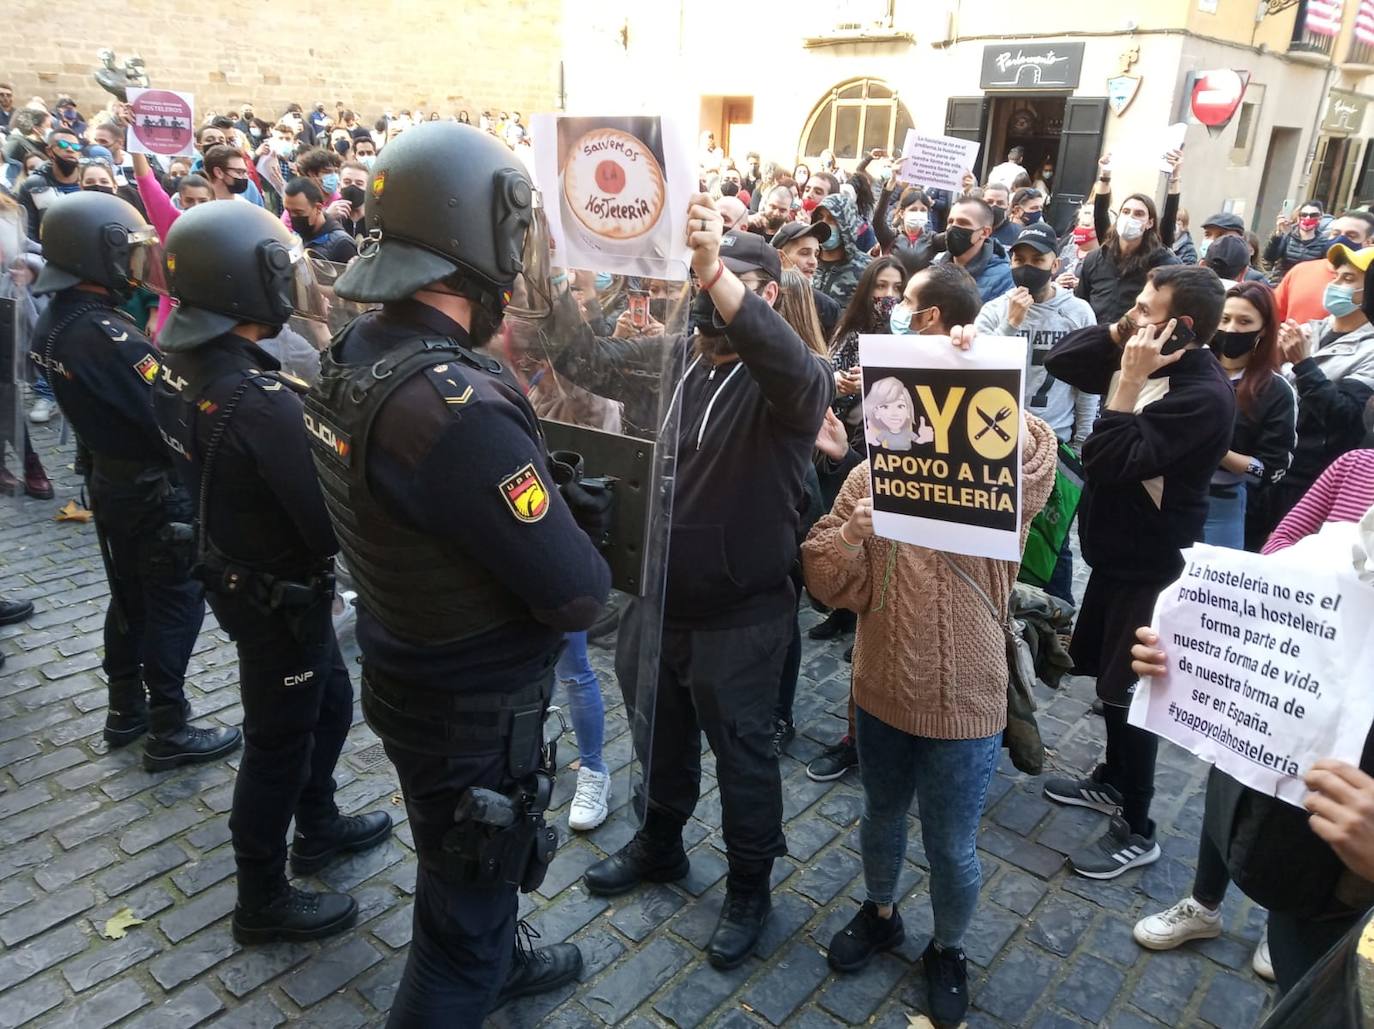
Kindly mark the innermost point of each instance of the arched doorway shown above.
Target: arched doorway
(854, 118)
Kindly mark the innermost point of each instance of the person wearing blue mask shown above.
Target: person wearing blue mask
(321, 166)
(1330, 363)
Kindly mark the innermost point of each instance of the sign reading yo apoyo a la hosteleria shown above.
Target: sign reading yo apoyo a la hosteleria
(1032, 66)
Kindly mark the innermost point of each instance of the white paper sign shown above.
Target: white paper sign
(1174, 136)
(615, 190)
(1269, 661)
(937, 162)
(943, 428)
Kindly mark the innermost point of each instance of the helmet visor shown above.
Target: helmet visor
(307, 297)
(147, 262)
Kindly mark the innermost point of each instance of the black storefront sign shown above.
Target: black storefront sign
(1032, 66)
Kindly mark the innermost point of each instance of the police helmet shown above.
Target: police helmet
(230, 262)
(442, 198)
(96, 237)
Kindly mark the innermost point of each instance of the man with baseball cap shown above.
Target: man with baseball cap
(751, 402)
(1218, 227)
(800, 246)
(1229, 257)
(1043, 312)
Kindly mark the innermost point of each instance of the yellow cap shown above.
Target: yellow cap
(1341, 254)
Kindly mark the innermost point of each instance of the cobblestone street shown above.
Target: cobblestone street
(86, 833)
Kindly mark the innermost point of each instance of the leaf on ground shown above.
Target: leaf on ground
(73, 512)
(116, 927)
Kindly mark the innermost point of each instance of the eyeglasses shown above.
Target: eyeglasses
(1309, 214)
(63, 144)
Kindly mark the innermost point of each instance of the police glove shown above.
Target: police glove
(589, 499)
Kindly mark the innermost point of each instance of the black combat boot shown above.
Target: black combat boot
(746, 907)
(173, 741)
(655, 855)
(538, 971)
(127, 716)
(347, 834)
(293, 915)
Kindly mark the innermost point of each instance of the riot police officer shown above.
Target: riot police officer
(101, 368)
(265, 553)
(469, 565)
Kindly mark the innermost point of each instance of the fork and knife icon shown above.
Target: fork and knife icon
(993, 423)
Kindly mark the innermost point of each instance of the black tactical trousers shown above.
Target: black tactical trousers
(723, 682)
(297, 709)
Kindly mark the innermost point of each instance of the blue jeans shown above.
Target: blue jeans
(42, 390)
(575, 674)
(1225, 525)
(950, 778)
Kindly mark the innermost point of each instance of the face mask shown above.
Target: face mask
(1345, 241)
(1131, 229)
(603, 281)
(1031, 217)
(1308, 224)
(999, 215)
(1234, 344)
(66, 165)
(109, 190)
(1339, 300)
(1083, 236)
(883, 308)
(1203, 247)
(366, 159)
(704, 315)
(300, 225)
(341, 146)
(899, 320)
(238, 185)
(1032, 278)
(958, 240)
(832, 241)
(915, 221)
(809, 204)
(355, 197)
(330, 182)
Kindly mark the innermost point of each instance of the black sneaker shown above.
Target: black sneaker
(784, 732)
(188, 745)
(946, 985)
(538, 971)
(1093, 792)
(849, 654)
(836, 624)
(295, 915)
(12, 611)
(834, 761)
(348, 834)
(866, 935)
(1117, 851)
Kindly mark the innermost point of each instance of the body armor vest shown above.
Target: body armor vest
(424, 589)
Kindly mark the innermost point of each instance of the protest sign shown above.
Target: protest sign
(163, 124)
(615, 191)
(936, 162)
(943, 428)
(1268, 664)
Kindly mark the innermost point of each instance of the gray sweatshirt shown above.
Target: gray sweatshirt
(1069, 413)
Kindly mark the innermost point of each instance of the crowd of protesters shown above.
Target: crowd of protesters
(1213, 387)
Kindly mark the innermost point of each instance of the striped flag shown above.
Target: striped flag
(1324, 17)
(1364, 23)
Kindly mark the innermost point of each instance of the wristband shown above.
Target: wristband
(720, 270)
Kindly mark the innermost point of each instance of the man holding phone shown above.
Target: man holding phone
(1164, 428)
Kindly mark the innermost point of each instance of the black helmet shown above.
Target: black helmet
(230, 262)
(442, 198)
(96, 237)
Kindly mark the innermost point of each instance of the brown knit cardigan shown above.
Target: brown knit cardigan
(928, 658)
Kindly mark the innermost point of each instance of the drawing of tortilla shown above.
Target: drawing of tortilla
(615, 190)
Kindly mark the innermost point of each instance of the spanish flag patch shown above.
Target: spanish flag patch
(147, 367)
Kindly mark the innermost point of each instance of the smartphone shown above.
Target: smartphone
(639, 308)
(1286, 209)
(1183, 335)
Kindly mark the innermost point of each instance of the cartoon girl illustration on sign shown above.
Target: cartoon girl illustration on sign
(889, 417)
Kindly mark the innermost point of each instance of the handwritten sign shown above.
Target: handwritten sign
(1268, 662)
(163, 123)
(943, 428)
(936, 162)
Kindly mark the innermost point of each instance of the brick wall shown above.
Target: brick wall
(396, 54)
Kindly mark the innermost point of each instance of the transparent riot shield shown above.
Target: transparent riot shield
(320, 315)
(599, 357)
(17, 315)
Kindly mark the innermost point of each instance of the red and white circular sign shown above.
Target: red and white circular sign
(162, 122)
(1217, 94)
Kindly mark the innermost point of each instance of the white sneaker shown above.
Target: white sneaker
(1264, 968)
(42, 411)
(1186, 920)
(347, 613)
(590, 802)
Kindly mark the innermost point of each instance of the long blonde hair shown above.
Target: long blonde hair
(798, 309)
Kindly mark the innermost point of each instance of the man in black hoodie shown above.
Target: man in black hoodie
(751, 402)
(1165, 426)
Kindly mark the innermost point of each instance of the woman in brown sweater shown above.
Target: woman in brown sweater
(930, 686)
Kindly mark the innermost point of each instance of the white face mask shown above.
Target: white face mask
(1129, 228)
(914, 220)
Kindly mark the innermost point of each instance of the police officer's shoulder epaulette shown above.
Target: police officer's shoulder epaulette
(270, 382)
(115, 324)
(452, 383)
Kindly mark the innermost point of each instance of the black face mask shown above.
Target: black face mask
(238, 185)
(301, 226)
(355, 197)
(108, 190)
(66, 165)
(1234, 344)
(705, 319)
(959, 240)
(1032, 278)
(999, 215)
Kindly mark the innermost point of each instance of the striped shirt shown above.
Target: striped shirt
(1342, 493)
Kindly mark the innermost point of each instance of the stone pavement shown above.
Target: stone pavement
(86, 833)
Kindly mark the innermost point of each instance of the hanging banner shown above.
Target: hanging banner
(163, 123)
(944, 434)
(1268, 661)
(615, 191)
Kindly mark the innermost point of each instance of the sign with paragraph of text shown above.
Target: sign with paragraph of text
(1268, 663)
(944, 434)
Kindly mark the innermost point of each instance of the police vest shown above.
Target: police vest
(422, 588)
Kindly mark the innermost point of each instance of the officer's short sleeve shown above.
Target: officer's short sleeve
(484, 485)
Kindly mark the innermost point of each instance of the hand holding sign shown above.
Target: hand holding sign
(859, 527)
(1342, 806)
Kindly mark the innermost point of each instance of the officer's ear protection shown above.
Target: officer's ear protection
(115, 240)
(278, 280)
(511, 212)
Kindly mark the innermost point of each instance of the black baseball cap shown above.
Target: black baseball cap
(1040, 236)
(750, 252)
(1228, 257)
(1226, 222)
(793, 231)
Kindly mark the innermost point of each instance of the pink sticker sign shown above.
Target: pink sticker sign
(163, 123)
